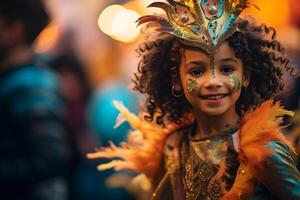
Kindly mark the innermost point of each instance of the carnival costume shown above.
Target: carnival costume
(216, 166)
(258, 164)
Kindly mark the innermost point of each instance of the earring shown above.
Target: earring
(244, 91)
(245, 88)
(176, 93)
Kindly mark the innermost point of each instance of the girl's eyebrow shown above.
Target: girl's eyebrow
(198, 63)
(229, 59)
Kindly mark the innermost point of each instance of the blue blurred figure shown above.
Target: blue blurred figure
(102, 113)
(102, 116)
(76, 92)
(33, 150)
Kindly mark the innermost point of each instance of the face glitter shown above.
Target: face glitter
(212, 65)
(192, 86)
(234, 82)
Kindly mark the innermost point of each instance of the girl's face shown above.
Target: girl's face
(212, 84)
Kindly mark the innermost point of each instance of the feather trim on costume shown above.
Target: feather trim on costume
(143, 151)
(258, 128)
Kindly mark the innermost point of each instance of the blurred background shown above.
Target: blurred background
(90, 45)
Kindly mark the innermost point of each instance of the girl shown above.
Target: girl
(212, 130)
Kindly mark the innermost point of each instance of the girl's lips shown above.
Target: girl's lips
(213, 96)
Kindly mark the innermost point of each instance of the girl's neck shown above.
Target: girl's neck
(214, 125)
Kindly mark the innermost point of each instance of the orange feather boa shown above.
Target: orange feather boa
(258, 128)
(143, 151)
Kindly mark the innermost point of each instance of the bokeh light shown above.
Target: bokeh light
(124, 27)
(141, 6)
(107, 17)
(119, 23)
(47, 39)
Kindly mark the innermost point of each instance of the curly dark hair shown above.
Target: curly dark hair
(256, 45)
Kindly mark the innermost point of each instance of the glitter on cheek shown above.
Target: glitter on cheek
(191, 85)
(234, 82)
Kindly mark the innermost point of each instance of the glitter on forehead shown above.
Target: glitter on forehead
(212, 64)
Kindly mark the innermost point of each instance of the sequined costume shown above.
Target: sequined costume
(200, 176)
(207, 168)
(260, 164)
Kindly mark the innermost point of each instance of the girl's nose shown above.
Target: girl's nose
(212, 81)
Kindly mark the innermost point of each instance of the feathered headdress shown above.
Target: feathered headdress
(198, 23)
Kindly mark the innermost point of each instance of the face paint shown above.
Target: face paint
(212, 65)
(234, 82)
(192, 86)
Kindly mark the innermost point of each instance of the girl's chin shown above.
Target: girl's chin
(214, 112)
(213, 109)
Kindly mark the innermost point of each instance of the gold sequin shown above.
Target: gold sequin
(201, 162)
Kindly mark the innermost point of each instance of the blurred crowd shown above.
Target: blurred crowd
(52, 113)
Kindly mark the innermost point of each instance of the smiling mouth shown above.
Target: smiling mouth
(214, 97)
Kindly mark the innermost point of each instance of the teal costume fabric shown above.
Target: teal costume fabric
(33, 149)
(282, 179)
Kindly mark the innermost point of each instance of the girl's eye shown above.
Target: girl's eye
(227, 69)
(196, 72)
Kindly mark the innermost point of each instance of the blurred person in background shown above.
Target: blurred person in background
(76, 91)
(33, 150)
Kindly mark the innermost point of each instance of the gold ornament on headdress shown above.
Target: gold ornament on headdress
(198, 23)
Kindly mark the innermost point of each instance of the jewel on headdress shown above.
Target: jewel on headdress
(198, 23)
(184, 18)
(213, 10)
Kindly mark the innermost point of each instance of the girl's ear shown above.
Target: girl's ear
(246, 79)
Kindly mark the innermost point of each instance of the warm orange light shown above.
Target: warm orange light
(142, 4)
(47, 39)
(274, 13)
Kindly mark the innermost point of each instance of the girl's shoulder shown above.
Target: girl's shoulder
(263, 125)
(266, 156)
